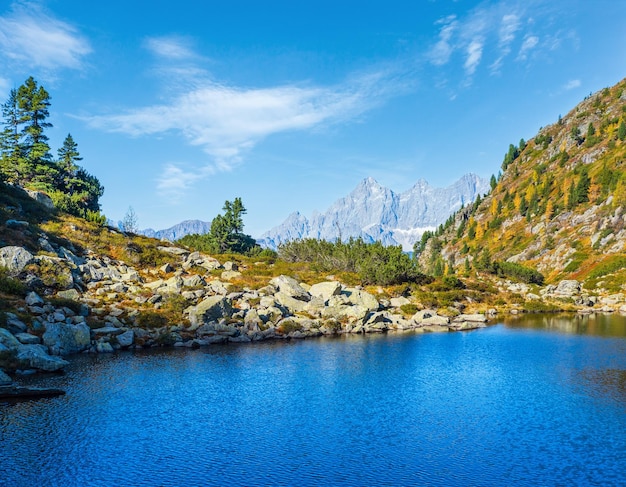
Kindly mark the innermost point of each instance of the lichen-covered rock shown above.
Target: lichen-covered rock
(15, 259)
(5, 380)
(35, 357)
(209, 309)
(325, 289)
(65, 338)
(361, 298)
(288, 285)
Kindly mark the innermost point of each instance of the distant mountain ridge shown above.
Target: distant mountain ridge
(376, 213)
(175, 232)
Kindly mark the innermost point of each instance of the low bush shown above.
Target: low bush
(10, 285)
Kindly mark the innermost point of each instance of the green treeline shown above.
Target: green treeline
(373, 262)
(26, 159)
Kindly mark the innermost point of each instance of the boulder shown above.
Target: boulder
(398, 302)
(5, 380)
(14, 324)
(40, 197)
(27, 338)
(475, 318)
(72, 294)
(292, 304)
(15, 259)
(325, 289)
(8, 340)
(567, 288)
(229, 275)
(126, 339)
(65, 338)
(37, 358)
(211, 308)
(361, 298)
(288, 285)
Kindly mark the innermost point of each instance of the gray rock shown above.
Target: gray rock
(40, 197)
(107, 330)
(567, 288)
(28, 339)
(17, 224)
(14, 324)
(398, 302)
(8, 340)
(37, 358)
(5, 380)
(475, 318)
(288, 285)
(325, 289)
(33, 299)
(211, 308)
(104, 347)
(230, 275)
(289, 302)
(362, 298)
(65, 338)
(72, 294)
(173, 250)
(231, 266)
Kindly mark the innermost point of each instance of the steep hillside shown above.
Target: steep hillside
(377, 214)
(558, 207)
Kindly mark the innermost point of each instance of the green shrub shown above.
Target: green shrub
(150, 320)
(608, 266)
(519, 272)
(10, 285)
(409, 309)
(288, 326)
(373, 262)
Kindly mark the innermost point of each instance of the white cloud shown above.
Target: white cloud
(474, 55)
(175, 181)
(442, 50)
(29, 36)
(572, 84)
(172, 47)
(530, 42)
(509, 26)
(227, 121)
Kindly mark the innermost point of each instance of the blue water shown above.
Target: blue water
(538, 401)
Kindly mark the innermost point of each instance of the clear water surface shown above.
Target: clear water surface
(536, 401)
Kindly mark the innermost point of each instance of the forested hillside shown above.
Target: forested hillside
(556, 207)
(26, 159)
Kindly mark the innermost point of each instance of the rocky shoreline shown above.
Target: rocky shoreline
(107, 307)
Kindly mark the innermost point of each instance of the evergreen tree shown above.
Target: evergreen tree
(493, 182)
(12, 162)
(68, 157)
(33, 102)
(582, 188)
(621, 131)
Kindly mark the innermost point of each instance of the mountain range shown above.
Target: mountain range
(175, 232)
(376, 213)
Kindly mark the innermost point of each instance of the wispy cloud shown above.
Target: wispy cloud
(170, 47)
(572, 84)
(442, 50)
(508, 29)
(227, 121)
(490, 33)
(31, 37)
(530, 42)
(474, 55)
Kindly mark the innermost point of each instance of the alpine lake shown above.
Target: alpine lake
(535, 400)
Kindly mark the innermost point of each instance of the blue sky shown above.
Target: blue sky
(179, 106)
